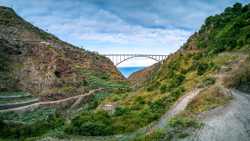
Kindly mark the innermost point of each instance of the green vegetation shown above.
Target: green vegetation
(182, 121)
(208, 81)
(95, 101)
(16, 93)
(16, 100)
(227, 31)
(18, 130)
(133, 112)
(15, 97)
(28, 117)
(97, 80)
(154, 136)
(178, 127)
(91, 124)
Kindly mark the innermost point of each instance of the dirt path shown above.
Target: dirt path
(180, 106)
(57, 104)
(231, 123)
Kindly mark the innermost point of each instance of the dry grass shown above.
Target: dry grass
(208, 99)
(238, 74)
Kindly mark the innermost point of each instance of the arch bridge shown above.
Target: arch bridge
(120, 58)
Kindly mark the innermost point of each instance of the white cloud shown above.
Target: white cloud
(118, 26)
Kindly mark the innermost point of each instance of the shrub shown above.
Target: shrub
(163, 88)
(182, 122)
(201, 68)
(209, 81)
(91, 124)
(147, 115)
(176, 93)
(153, 86)
(119, 111)
(157, 135)
(20, 130)
(140, 100)
(157, 105)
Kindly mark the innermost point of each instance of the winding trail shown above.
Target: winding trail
(231, 123)
(178, 107)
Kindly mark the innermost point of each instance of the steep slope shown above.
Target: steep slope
(203, 54)
(138, 79)
(39, 63)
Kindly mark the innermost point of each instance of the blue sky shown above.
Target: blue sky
(121, 26)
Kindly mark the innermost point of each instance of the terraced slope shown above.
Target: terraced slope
(16, 99)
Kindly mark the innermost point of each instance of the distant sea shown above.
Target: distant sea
(126, 71)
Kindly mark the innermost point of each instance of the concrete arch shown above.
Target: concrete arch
(117, 59)
(136, 57)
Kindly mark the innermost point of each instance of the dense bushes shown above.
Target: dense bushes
(227, 31)
(163, 88)
(20, 130)
(119, 111)
(125, 118)
(91, 124)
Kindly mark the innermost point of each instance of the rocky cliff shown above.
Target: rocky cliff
(38, 62)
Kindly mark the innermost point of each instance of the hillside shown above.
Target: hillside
(138, 79)
(198, 78)
(39, 63)
(204, 53)
(192, 89)
(212, 62)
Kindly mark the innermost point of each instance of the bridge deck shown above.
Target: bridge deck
(119, 58)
